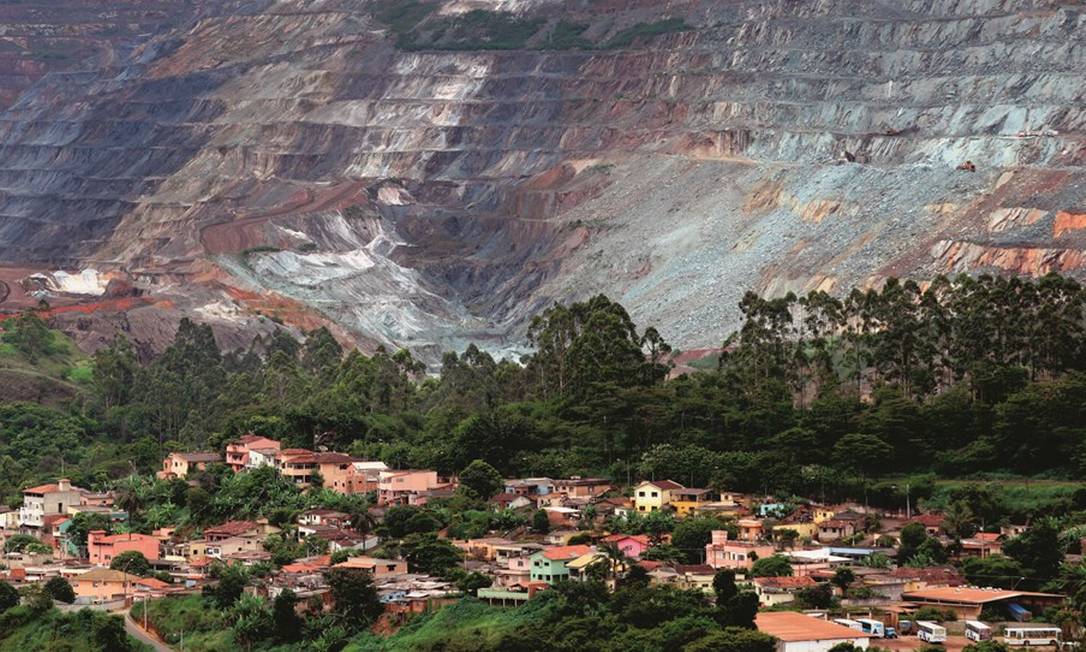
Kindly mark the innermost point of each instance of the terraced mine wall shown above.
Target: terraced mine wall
(424, 174)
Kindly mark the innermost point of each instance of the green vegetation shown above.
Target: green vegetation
(477, 29)
(584, 616)
(626, 37)
(402, 16)
(38, 626)
(206, 629)
(567, 35)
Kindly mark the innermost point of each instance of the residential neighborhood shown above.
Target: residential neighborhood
(814, 569)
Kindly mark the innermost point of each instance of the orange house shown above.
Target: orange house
(237, 452)
(102, 548)
(103, 584)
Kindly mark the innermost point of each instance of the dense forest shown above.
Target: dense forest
(813, 395)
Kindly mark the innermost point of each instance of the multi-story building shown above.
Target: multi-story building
(722, 552)
(238, 452)
(650, 496)
(103, 548)
(47, 499)
(397, 487)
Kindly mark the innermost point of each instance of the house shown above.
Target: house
(376, 567)
(803, 530)
(614, 506)
(337, 470)
(631, 545)
(237, 451)
(797, 632)
(301, 467)
(982, 544)
(811, 562)
(231, 529)
(772, 591)
(328, 517)
(578, 487)
(103, 548)
(932, 522)
(1013, 530)
(47, 499)
(299, 473)
(650, 496)
(751, 529)
(686, 501)
(363, 476)
(261, 457)
(233, 546)
(696, 577)
(96, 499)
(549, 565)
(722, 552)
(179, 465)
(835, 530)
(104, 584)
(398, 487)
(529, 487)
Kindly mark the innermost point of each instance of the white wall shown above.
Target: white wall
(820, 646)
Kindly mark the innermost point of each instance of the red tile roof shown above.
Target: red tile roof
(666, 485)
(790, 626)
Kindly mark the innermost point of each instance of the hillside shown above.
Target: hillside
(423, 174)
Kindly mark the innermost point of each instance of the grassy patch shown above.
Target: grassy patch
(467, 620)
(204, 627)
(82, 373)
(626, 37)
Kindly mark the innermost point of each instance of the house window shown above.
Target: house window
(655, 495)
(641, 494)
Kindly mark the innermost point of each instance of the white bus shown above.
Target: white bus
(872, 627)
(851, 624)
(977, 631)
(930, 632)
(1032, 635)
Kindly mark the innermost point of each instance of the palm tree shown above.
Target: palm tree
(958, 520)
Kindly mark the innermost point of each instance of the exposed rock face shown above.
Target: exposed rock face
(302, 159)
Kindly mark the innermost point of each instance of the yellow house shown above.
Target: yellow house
(804, 530)
(823, 514)
(655, 495)
(686, 501)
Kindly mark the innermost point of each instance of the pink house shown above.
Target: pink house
(397, 487)
(102, 548)
(631, 545)
(724, 553)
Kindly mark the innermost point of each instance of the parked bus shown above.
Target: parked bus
(1032, 635)
(851, 624)
(872, 627)
(930, 632)
(977, 631)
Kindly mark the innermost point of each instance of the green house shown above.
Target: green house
(550, 565)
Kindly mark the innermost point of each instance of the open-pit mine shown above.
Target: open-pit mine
(426, 174)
